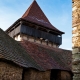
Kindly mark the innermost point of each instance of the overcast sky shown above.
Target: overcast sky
(59, 13)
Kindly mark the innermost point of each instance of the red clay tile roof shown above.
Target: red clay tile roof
(12, 50)
(32, 55)
(36, 15)
(48, 57)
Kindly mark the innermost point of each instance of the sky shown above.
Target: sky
(59, 13)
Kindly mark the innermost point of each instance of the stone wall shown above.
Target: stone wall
(10, 72)
(76, 39)
(60, 75)
(76, 23)
(65, 75)
(36, 40)
(32, 74)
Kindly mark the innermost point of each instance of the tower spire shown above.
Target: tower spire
(35, 14)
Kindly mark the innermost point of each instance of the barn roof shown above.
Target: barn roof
(48, 57)
(28, 54)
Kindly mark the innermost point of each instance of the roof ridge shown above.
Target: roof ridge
(48, 47)
(42, 54)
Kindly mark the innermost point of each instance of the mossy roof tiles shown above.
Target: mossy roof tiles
(28, 54)
(49, 57)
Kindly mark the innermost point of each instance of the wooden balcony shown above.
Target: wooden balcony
(41, 34)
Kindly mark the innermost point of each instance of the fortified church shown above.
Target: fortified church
(29, 49)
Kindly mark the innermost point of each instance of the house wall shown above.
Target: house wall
(60, 75)
(33, 74)
(10, 72)
(14, 72)
(65, 75)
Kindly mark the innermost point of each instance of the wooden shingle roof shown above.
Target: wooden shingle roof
(32, 55)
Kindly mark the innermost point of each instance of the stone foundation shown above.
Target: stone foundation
(32, 74)
(66, 75)
(10, 72)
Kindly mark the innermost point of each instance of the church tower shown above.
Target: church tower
(35, 27)
(76, 39)
(35, 55)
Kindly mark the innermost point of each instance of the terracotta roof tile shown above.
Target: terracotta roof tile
(28, 54)
(36, 15)
(13, 51)
(48, 57)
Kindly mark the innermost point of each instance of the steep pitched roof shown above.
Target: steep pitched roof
(36, 15)
(11, 50)
(49, 57)
(28, 54)
(35, 11)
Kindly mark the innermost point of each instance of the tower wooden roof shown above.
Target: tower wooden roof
(35, 12)
(36, 15)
